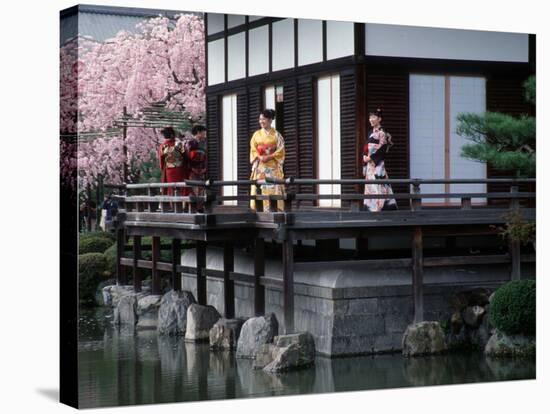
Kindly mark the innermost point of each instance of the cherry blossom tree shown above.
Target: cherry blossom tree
(163, 61)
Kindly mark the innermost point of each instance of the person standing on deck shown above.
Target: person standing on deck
(374, 152)
(267, 156)
(195, 149)
(171, 160)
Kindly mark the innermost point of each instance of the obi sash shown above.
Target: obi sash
(266, 149)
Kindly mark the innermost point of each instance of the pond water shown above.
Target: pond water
(118, 367)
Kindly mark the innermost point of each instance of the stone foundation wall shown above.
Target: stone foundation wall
(355, 313)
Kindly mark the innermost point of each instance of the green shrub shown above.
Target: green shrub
(95, 234)
(94, 245)
(91, 271)
(110, 258)
(513, 308)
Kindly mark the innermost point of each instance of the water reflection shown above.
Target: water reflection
(121, 367)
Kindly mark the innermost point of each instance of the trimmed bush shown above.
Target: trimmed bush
(110, 258)
(94, 244)
(91, 271)
(95, 234)
(513, 308)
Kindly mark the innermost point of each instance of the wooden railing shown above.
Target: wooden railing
(134, 198)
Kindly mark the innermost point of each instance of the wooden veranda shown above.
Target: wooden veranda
(144, 211)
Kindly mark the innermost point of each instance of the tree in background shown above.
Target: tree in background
(162, 62)
(503, 141)
(506, 143)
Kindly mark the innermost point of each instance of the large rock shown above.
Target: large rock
(225, 333)
(291, 352)
(148, 311)
(473, 315)
(502, 345)
(172, 318)
(125, 312)
(200, 319)
(480, 336)
(113, 293)
(456, 323)
(255, 332)
(474, 297)
(423, 338)
(265, 355)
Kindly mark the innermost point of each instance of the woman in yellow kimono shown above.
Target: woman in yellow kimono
(267, 156)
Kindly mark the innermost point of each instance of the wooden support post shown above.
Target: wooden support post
(417, 275)
(137, 255)
(272, 205)
(155, 253)
(176, 259)
(416, 203)
(259, 270)
(228, 284)
(259, 204)
(121, 277)
(201, 272)
(466, 203)
(514, 246)
(288, 283)
(288, 202)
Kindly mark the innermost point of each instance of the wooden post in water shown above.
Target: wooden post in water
(201, 272)
(137, 255)
(259, 271)
(155, 253)
(417, 275)
(228, 284)
(121, 277)
(514, 246)
(176, 258)
(288, 283)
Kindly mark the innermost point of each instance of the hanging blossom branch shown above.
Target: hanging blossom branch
(162, 62)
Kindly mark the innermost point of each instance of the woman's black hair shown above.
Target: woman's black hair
(168, 132)
(198, 128)
(377, 112)
(268, 113)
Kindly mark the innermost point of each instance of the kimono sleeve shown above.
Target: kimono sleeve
(253, 149)
(279, 154)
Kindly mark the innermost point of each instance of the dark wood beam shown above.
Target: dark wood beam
(136, 248)
(228, 284)
(418, 275)
(201, 272)
(121, 276)
(259, 271)
(156, 288)
(288, 284)
(176, 258)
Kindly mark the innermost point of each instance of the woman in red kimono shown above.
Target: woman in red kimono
(171, 160)
(374, 153)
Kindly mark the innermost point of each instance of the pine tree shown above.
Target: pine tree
(503, 141)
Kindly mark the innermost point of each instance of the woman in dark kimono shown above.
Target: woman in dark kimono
(374, 153)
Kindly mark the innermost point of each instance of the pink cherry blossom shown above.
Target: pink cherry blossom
(163, 61)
